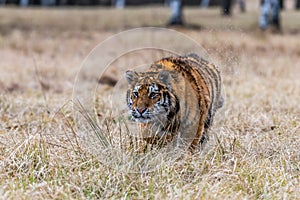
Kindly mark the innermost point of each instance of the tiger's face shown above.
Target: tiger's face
(148, 97)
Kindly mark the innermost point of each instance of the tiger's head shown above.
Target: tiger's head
(148, 95)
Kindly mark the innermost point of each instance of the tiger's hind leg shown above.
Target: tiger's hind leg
(208, 123)
(205, 137)
(200, 132)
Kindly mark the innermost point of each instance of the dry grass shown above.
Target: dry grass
(254, 148)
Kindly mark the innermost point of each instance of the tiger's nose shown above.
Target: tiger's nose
(141, 110)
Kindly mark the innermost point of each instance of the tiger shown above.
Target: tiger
(175, 100)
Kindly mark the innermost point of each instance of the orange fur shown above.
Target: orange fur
(175, 97)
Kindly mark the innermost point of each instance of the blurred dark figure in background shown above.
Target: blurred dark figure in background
(242, 5)
(226, 7)
(269, 14)
(120, 3)
(176, 13)
(298, 4)
(177, 16)
(204, 3)
(281, 4)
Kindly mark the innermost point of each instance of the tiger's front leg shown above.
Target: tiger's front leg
(155, 134)
(184, 139)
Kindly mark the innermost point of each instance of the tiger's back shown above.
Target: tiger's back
(193, 92)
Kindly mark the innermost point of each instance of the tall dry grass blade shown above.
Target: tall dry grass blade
(97, 130)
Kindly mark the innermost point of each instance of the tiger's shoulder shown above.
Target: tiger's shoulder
(204, 76)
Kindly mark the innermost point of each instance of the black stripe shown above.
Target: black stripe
(207, 76)
(174, 109)
(179, 62)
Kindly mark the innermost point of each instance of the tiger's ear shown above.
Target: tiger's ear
(131, 76)
(164, 77)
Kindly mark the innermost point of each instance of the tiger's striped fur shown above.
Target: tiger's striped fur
(175, 99)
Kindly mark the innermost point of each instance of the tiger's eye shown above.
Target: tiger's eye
(135, 94)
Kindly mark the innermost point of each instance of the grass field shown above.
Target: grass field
(253, 151)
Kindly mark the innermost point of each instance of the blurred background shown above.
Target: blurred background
(56, 35)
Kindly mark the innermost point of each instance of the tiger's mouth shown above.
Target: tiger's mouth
(141, 118)
(148, 116)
